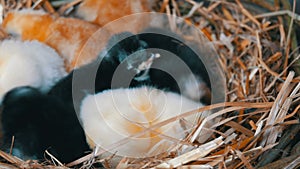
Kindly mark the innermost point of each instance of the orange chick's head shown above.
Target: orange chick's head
(102, 12)
(28, 24)
(67, 36)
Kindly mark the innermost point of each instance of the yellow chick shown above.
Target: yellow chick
(113, 115)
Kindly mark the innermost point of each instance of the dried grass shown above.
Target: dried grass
(257, 51)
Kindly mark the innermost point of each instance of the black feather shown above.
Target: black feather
(38, 123)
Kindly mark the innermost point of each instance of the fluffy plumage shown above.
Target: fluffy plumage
(112, 72)
(113, 115)
(102, 12)
(28, 63)
(117, 67)
(38, 123)
(66, 35)
(178, 69)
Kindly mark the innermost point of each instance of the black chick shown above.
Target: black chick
(39, 122)
(177, 67)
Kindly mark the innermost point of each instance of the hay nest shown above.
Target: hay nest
(258, 53)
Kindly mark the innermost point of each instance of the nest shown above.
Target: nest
(258, 52)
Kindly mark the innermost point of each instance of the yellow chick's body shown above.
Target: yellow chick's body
(67, 36)
(117, 114)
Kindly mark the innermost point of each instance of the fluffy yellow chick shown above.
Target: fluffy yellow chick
(117, 114)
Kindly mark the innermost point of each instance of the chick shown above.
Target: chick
(117, 72)
(28, 63)
(119, 66)
(162, 59)
(38, 123)
(113, 115)
(102, 12)
(68, 36)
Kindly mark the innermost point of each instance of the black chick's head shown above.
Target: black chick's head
(130, 52)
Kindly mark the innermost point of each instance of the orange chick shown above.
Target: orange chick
(68, 36)
(102, 12)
